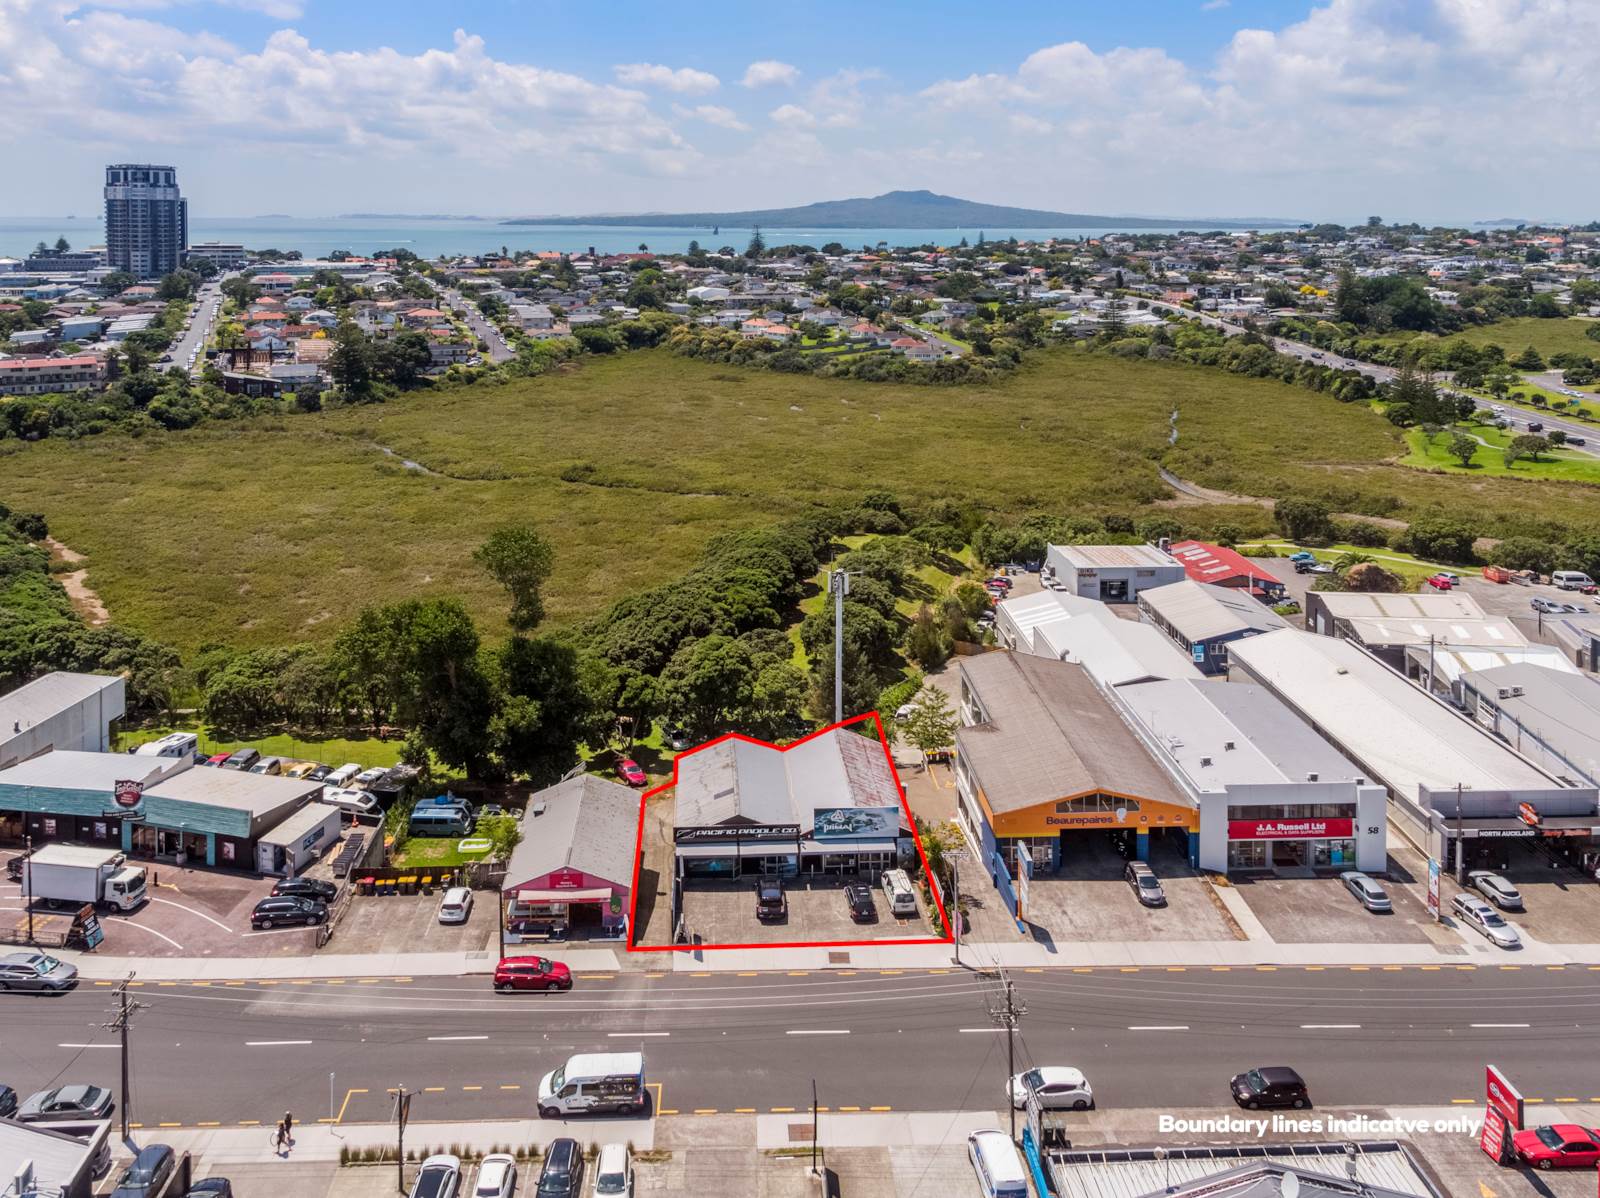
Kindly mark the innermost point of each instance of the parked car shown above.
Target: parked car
(289, 909)
(1272, 1085)
(309, 888)
(497, 1176)
(1439, 582)
(678, 739)
(211, 1187)
(1449, 576)
(531, 973)
(268, 765)
(1312, 567)
(66, 1102)
(148, 1173)
(367, 778)
(319, 773)
(241, 759)
(1481, 917)
(439, 1177)
(1367, 891)
(1558, 1146)
(1496, 889)
(613, 1172)
(1145, 884)
(491, 809)
(38, 972)
(562, 1173)
(1056, 1087)
(298, 769)
(456, 905)
(218, 759)
(903, 712)
(628, 770)
(1549, 606)
(772, 904)
(8, 1102)
(859, 899)
(341, 776)
(998, 1164)
(1574, 609)
(1302, 556)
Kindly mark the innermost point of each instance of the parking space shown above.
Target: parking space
(725, 913)
(1320, 910)
(409, 923)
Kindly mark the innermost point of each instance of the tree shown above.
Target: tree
(1442, 539)
(401, 359)
(1303, 519)
(117, 280)
(520, 560)
(1528, 359)
(757, 245)
(352, 363)
(931, 724)
(546, 709)
(504, 834)
(1463, 447)
(179, 285)
(1527, 445)
(62, 245)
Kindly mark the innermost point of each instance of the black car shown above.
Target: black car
(307, 888)
(8, 1102)
(1272, 1085)
(562, 1174)
(148, 1173)
(859, 899)
(319, 773)
(211, 1187)
(288, 909)
(772, 904)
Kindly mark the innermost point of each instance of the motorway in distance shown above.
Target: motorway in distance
(914, 1040)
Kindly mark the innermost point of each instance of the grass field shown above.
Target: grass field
(1489, 461)
(334, 751)
(277, 530)
(1514, 335)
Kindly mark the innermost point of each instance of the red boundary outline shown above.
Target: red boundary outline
(905, 807)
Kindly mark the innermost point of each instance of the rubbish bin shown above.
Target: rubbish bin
(366, 885)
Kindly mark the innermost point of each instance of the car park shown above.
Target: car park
(308, 888)
(1053, 1087)
(241, 759)
(1481, 917)
(561, 1176)
(1558, 1146)
(1271, 1085)
(455, 906)
(1146, 886)
(64, 1103)
(531, 973)
(279, 912)
(497, 1177)
(36, 971)
(439, 1177)
(1496, 889)
(1367, 891)
(772, 904)
(628, 770)
(148, 1173)
(859, 900)
(613, 1172)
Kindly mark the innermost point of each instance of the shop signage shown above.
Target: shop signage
(1528, 814)
(1290, 829)
(1498, 833)
(1433, 887)
(1024, 874)
(730, 835)
(1503, 1098)
(1493, 1138)
(565, 879)
(849, 823)
(128, 794)
(1044, 821)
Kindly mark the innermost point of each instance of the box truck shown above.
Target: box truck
(66, 873)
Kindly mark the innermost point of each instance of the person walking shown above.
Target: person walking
(288, 1128)
(280, 1138)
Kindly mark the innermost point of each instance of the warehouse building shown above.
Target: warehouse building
(60, 711)
(1064, 627)
(1109, 573)
(1219, 566)
(1450, 781)
(1201, 619)
(1388, 624)
(1016, 620)
(572, 872)
(1550, 716)
(1444, 665)
(1273, 796)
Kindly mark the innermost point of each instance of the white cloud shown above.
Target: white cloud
(794, 116)
(712, 114)
(1213, 5)
(685, 79)
(768, 72)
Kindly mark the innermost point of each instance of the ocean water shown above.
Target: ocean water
(315, 238)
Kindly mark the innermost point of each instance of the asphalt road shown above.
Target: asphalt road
(194, 338)
(916, 1040)
(499, 351)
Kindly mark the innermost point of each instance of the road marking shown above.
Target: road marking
(1309, 1027)
(273, 1043)
(819, 1031)
(472, 1087)
(458, 1037)
(1499, 1025)
(429, 1090)
(633, 1035)
(511, 1087)
(972, 1031)
(1566, 1100)
(169, 1125)
(782, 1110)
(1159, 1027)
(849, 1108)
(705, 1110)
(339, 1118)
(86, 1046)
(880, 1108)
(219, 1124)
(1464, 1101)
(744, 1110)
(192, 911)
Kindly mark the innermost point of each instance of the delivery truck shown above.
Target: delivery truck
(76, 874)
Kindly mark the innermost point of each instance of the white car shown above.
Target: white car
(341, 776)
(439, 1177)
(1057, 1087)
(497, 1177)
(456, 905)
(366, 778)
(1496, 889)
(613, 1172)
(1481, 917)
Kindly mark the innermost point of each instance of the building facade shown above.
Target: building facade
(1109, 573)
(147, 220)
(48, 376)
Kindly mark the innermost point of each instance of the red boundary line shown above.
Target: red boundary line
(905, 807)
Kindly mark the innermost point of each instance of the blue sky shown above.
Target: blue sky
(1414, 109)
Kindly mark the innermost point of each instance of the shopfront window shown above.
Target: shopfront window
(1247, 854)
(1333, 853)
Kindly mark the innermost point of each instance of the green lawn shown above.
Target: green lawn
(1559, 464)
(334, 751)
(278, 530)
(438, 852)
(1562, 335)
(1410, 567)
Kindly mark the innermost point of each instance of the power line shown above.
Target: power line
(1005, 1011)
(121, 1022)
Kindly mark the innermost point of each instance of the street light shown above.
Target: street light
(956, 856)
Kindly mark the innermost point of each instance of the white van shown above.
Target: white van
(174, 744)
(595, 1082)
(998, 1165)
(352, 802)
(1571, 580)
(897, 889)
(342, 775)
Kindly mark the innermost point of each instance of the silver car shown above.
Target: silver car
(36, 971)
(1481, 917)
(1368, 893)
(1496, 889)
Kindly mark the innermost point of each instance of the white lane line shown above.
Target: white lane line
(458, 1037)
(86, 1046)
(272, 1043)
(191, 911)
(1158, 1027)
(128, 923)
(818, 1031)
(1500, 1025)
(973, 1031)
(1337, 1027)
(633, 1035)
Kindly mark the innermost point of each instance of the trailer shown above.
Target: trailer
(79, 874)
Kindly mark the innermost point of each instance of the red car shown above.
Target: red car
(1440, 583)
(531, 973)
(1558, 1146)
(217, 759)
(628, 770)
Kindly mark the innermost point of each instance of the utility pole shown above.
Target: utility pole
(120, 1022)
(1007, 1012)
(839, 585)
(27, 869)
(402, 1112)
(955, 856)
(814, 1171)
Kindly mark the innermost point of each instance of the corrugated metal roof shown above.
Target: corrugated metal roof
(1199, 611)
(735, 779)
(1430, 605)
(69, 769)
(1382, 1171)
(1114, 651)
(589, 823)
(44, 697)
(1454, 630)
(1099, 557)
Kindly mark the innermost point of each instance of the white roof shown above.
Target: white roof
(1406, 738)
(1449, 662)
(604, 1064)
(1101, 557)
(1200, 611)
(1047, 607)
(1428, 605)
(71, 769)
(1114, 651)
(73, 854)
(1454, 630)
(44, 697)
(257, 794)
(741, 778)
(295, 825)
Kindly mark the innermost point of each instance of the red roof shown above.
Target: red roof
(40, 363)
(1205, 562)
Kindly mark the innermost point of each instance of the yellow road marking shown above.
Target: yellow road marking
(1432, 968)
(511, 1087)
(1566, 1100)
(666, 1110)
(782, 1110)
(890, 972)
(799, 973)
(1464, 1101)
(705, 1110)
(1128, 969)
(472, 1087)
(1266, 969)
(429, 1090)
(249, 1123)
(881, 1108)
(218, 1123)
(166, 983)
(744, 1110)
(849, 1108)
(339, 1118)
(1177, 969)
(335, 982)
(165, 1125)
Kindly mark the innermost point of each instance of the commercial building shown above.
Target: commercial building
(829, 804)
(1219, 566)
(1256, 1169)
(1202, 619)
(147, 219)
(1016, 620)
(1551, 717)
(60, 711)
(1388, 624)
(1044, 760)
(1450, 781)
(74, 262)
(54, 1162)
(46, 376)
(1110, 573)
(1064, 627)
(220, 254)
(1444, 665)
(1272, 794)
(295, 843)
(573, 869)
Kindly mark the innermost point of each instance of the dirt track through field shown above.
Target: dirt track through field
(84, 600)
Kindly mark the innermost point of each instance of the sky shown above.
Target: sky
(1428, 110)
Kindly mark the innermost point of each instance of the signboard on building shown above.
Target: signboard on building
(850, 823)
(1433, 887)
(1502, 1097)
(1290, 829)
(1024, 876)
(128, 795)
(565, 878)
(1528, 814)
(729, 835)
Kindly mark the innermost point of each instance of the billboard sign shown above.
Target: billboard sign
(1528, 814)
(1290, 829)
(856, 823)
(1433, 887)
(718, 833)
(1493, 1139)
(1502, 1097)
(128, 795)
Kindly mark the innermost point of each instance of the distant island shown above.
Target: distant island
(405, 216)
(897, 210)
